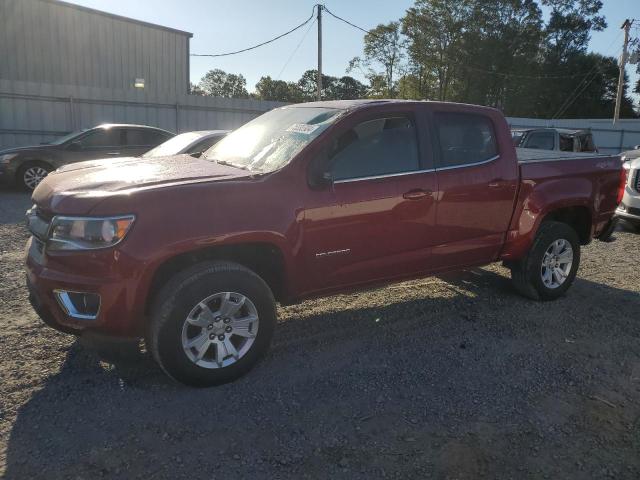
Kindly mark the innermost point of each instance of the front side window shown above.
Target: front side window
(270, 141)
(104, 137)
(540, 140)
(464, 139)
(383, 146)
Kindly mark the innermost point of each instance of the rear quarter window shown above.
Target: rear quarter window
(464, 139)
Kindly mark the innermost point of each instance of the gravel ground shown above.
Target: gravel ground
(453, 377)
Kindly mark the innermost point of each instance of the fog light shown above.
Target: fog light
(84, 306)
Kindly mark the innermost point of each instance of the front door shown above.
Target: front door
(371, 223)
(98, 143)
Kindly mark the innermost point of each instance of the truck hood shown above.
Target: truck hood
(78, 187)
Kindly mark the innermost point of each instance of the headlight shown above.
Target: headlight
(78, 233)
(7, 157)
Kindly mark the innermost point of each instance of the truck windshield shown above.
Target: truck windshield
(270, 141)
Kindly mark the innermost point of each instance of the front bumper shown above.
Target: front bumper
(106, 273)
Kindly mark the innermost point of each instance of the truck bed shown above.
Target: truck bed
(532, 155)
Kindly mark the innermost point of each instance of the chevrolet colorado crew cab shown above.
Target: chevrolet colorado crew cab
(314, 199)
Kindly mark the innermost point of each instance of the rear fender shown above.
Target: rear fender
(536, 201)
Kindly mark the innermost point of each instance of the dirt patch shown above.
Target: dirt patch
(453, 377)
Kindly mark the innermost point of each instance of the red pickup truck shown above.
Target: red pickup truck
(306, 200)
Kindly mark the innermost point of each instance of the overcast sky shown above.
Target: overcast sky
(225, 25)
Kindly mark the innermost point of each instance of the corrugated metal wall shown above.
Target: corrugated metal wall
(33, 113)
(65, 67)
(52, 42)
(608, 138)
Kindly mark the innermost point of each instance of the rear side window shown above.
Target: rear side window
(383, 146)
(145, 138)
(103, 137)
(566, 143)
(586, 143)
(464, 139)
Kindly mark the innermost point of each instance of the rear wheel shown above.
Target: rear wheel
(211, 323)
(31, 174)
(550, 267)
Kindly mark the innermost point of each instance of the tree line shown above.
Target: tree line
(501, 53)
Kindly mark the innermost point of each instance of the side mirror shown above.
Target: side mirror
(196, 154)
(637, 147)
(319, 173)
(74, 146)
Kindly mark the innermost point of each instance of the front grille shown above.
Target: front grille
(636, 184)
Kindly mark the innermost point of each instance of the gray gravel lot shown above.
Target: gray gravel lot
(454, 377)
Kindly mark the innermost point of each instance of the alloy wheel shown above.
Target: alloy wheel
(556, 263)
(220, 330)
(33, 176)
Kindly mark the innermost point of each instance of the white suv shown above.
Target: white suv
(629, 208)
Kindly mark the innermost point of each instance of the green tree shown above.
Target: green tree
(308, 86)
(502, 53)
(218, 83)
(347, 88)
(278, 90)
(383, 49)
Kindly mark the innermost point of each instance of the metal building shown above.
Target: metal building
(56, 42)
(64, 67)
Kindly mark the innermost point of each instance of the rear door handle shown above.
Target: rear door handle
(113, 153)
(417, 194)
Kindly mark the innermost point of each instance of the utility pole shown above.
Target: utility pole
(623, 62)
(319, 80)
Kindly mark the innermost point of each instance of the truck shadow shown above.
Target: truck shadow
(430, 361)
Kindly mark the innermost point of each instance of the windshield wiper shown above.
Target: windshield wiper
(229, 164)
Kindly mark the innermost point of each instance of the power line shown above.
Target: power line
(258, 45)
(573, 96)
(295, 49)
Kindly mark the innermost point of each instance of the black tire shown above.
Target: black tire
(22, 177)
(526, 273)
(181, 294)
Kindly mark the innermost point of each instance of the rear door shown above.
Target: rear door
(477, 182)
(139, 140)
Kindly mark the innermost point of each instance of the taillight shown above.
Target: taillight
(623, 182)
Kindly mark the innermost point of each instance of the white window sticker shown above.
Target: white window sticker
(302, 128)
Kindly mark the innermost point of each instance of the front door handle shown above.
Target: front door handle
(113, 153)
(497, 183)
(417, 194)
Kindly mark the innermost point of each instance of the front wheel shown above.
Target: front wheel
(550, 267)
(211, 323)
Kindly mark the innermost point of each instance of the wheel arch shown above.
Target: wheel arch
(574, 212)
(266, 259)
